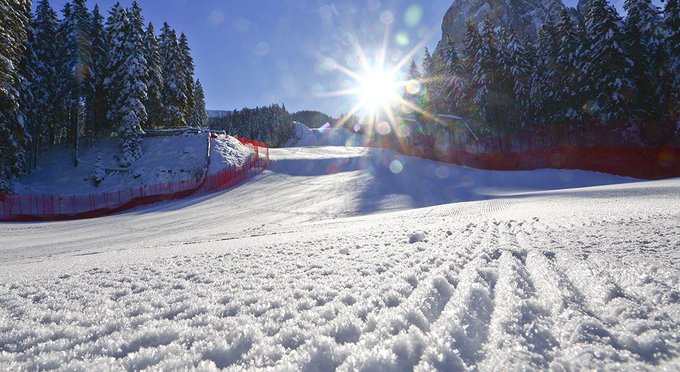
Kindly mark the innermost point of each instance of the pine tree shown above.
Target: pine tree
(173, 95)
(46, 93)
(454, 78)
(568, 61)
(644, 41)
(153, 103)
(116, 29)
(100, 72)
(199, 116)
(187, 70)
(413, 88)
(129, 109)
(29, 105)
(429, 82)
(472, 45)
(544, 78)
(485, 79)
(607, 63)
(672, 46)
(516, 73)
(76, 61)
(14, 21)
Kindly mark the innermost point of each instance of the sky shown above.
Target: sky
(257, 52)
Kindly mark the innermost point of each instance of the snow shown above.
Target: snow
(165, 159)
(303, 136)
(331, 260)
(227, 152)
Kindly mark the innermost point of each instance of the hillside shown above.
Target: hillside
(175, 158)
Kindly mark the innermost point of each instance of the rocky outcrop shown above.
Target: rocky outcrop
(524, 16)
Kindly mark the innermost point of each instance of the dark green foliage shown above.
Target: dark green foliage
(14, 22)
(199, 115)
(74, 80)
(271, 124)
(312, 119)
(154, 80)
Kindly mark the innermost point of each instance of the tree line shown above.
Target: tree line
(601, 71)
(271, 124)
(81, 77)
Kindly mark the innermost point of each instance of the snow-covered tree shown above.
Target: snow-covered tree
(606, 63)
(130, 110)
(199, 115)
(484, 74)
(99, 67)
(430, 81)
(29, 106)
(472, 43)
(672, 46)
(46, 89)
(76, 67)
(187, 72)
(645, 49)
(14, 21)
(153, 103)
(516, 74)
(454, 78)
(413, 88)
(127, 79)
(173, 95)
(116, 30)
(544, 79)
(568, 62)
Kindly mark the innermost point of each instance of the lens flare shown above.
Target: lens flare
(396, 167)
(384, 128)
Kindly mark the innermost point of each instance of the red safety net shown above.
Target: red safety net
(44, 207)
(644, 163)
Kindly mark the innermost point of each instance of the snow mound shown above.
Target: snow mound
(324, 136)
(226, 152)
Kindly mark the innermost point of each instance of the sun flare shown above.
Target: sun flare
(378, 89)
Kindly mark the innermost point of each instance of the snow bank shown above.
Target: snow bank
(165, 159)
(324, 136)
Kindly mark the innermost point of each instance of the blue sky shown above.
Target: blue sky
(256, 52)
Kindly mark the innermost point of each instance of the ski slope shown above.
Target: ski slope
(355, 258)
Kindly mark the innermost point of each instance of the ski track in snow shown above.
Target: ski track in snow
(289, 271)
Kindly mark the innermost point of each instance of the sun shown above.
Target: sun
(379, 85)
(379, 89)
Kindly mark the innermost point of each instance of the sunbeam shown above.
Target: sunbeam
(379, 87)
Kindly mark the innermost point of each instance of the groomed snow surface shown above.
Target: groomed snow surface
(355, 258)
